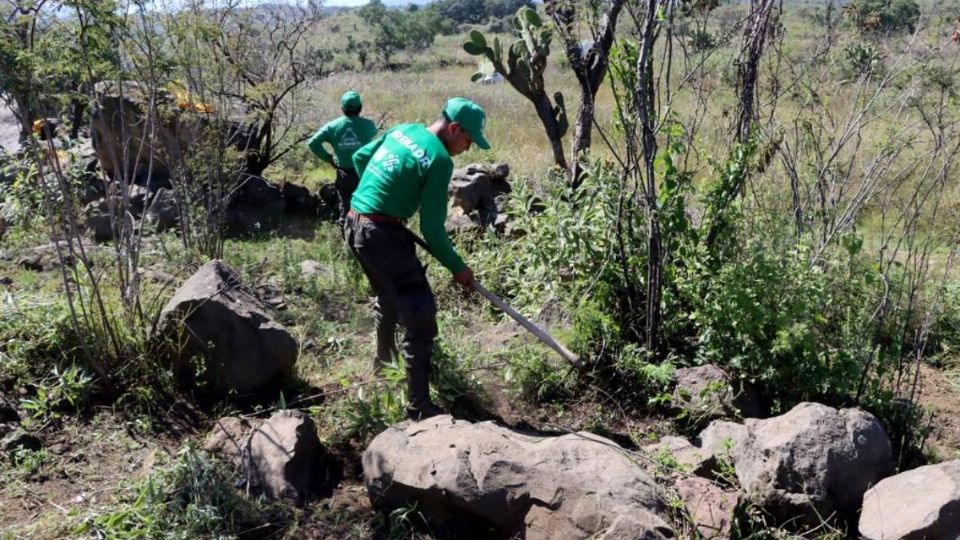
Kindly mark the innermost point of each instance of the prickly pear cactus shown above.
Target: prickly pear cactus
(525, 61)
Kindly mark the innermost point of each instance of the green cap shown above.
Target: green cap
(469, 115)
(350, 102)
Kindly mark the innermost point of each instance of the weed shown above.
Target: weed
(31, 463)
(193, 497)
(66, 389)
(371, 408)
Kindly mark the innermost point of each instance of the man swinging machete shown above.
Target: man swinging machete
(406, 170)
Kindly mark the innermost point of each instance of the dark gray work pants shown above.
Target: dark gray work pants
(387, 254)
(345, 183)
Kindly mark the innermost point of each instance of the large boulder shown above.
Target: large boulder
(683, 455)
(257, 206)
(476, 197)
(144, 152)
(212, 320)
(283, 456)
(812, 462)
(707, 392)
(164, 211)
(710, 508)
(914, 505)
(230, 438)
(474, 480)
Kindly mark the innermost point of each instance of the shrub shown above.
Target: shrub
(883, 15)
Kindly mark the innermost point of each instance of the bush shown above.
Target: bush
(771, 317)
(883, 16)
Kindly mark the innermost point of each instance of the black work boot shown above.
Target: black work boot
(419, 406)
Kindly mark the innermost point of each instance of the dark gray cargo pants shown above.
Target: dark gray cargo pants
(345, 183)
(387, 254)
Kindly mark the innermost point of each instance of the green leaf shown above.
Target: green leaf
(476, 77)
(477, 37)
(497, 50)
(531, 17)
(474, 49)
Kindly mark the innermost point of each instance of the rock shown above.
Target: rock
(32, 262)
(98, 220)
(164, 212)
(310, 269)
(470, 478)
(8, 427)
(721, 437)
(229, 438)
(18, 439)
(708, 392)
(476, 187)
(914, 505)
(812, 461)
(284, 454)
(118, 131)
(8, 412)
(299, 200)
(125, 148)
(459, 223)
(711, 508)
(689, 458)
(257, 206)
(6, 280)
(211, 317)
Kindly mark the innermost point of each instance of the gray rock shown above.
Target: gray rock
(230, 438)
(468, 478)
(18, 439)
(8, 427)
(708, 392)
(299, 200)
(211, 318)
(477, 186)
(283, 455)
(257, 206)
(98, 220)
(163, 212)
(690, 459)
(914, 505)
(721, 437)
(711, 508)
(310, 269)
(125, 147)
(812, 461)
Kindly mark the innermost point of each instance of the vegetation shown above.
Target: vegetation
(745, 188)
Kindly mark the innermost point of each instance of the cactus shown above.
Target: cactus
(525, 62)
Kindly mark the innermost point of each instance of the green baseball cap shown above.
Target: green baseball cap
(469, 115)
(350, 101)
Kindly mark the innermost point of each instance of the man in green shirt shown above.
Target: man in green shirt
(345, 135)
(407, 170)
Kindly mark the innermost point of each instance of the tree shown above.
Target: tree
(50, 51)
(523, 67)
(589, 64)
(396, 30)
(884, 16)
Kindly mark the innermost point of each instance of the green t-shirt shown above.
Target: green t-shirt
(345, 135)
(407, 169)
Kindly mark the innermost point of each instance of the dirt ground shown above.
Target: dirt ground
(940, 392)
